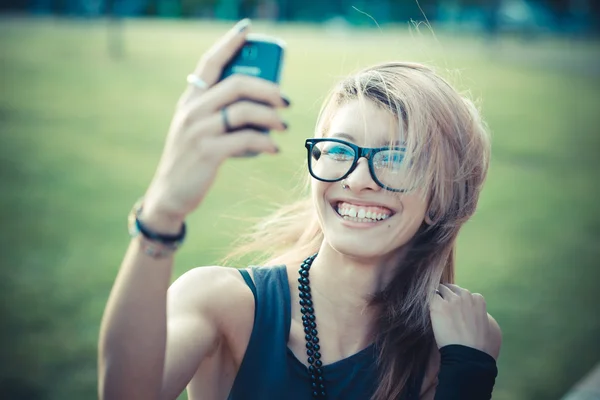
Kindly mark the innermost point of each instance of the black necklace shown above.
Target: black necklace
(310, 329)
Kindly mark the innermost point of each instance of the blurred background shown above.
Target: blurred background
(88, 90)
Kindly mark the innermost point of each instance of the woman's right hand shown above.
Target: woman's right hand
(197, 142)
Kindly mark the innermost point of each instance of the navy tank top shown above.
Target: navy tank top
(270, 370)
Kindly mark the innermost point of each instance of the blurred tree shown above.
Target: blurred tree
(285, 12)
(581, 14)
(228, 9)
(413, 10)
(198, 8)
(492, 11)
(248, 8)
(115, 31)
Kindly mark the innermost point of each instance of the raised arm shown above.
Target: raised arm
(134, 353)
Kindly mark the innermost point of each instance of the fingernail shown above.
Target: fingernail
(242, 25)
(286, 100)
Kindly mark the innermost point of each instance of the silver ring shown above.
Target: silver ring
(344, 186)
(196, 81)
(225, 119)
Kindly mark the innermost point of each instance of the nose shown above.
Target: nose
(360, 178)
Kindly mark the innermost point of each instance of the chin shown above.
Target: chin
(355, 248)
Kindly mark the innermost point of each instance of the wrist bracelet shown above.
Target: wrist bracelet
(136, 228)
(158, 237)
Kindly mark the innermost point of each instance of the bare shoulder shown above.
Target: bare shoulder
(210, 312)
(217, 292)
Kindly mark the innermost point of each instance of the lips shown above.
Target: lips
(362, 212)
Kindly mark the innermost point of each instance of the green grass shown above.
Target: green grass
(81, 134)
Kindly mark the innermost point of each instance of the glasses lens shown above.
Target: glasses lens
(390, 169)
(331, 160)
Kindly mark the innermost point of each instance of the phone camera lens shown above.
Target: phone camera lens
(249, 52)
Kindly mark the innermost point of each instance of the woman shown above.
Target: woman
(359, 302)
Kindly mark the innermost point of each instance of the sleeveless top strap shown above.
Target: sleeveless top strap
(264, 367)
(250, 284)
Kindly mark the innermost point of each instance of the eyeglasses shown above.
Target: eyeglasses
(331, 160)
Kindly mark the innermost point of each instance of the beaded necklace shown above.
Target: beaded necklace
(310, 329)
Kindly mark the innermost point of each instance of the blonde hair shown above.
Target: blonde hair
(448, 152)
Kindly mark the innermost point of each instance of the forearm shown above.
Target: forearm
(133, 332)
(465, 373)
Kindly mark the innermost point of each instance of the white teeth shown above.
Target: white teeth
(361, 215)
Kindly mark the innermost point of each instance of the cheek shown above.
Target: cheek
(413, 215)
(415, 204)
(318, 189)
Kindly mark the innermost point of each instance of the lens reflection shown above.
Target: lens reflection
(388, 166)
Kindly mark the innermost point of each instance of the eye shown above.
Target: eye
(339, 152)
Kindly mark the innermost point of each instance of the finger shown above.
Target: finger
(480, 306)
(436, 301)
(238, 116)
(210, 67)
(241, 142)
(458, 290)
(214, 60)
(242, 87)
(446, 293)
(478, 298)
(244, 113)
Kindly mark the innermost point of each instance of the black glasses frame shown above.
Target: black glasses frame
(366, 152)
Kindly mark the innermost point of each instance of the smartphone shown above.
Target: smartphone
(262, 57)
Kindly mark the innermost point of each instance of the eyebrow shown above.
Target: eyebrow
(342, 135)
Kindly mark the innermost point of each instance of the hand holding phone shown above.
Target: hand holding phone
(261, 57)
(198, 140)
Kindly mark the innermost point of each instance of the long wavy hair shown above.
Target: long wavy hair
(448, 150)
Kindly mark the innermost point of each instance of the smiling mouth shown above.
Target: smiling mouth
(356, 213)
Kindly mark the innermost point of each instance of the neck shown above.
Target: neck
(343, 286)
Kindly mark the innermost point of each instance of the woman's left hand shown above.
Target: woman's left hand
(459, 317)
